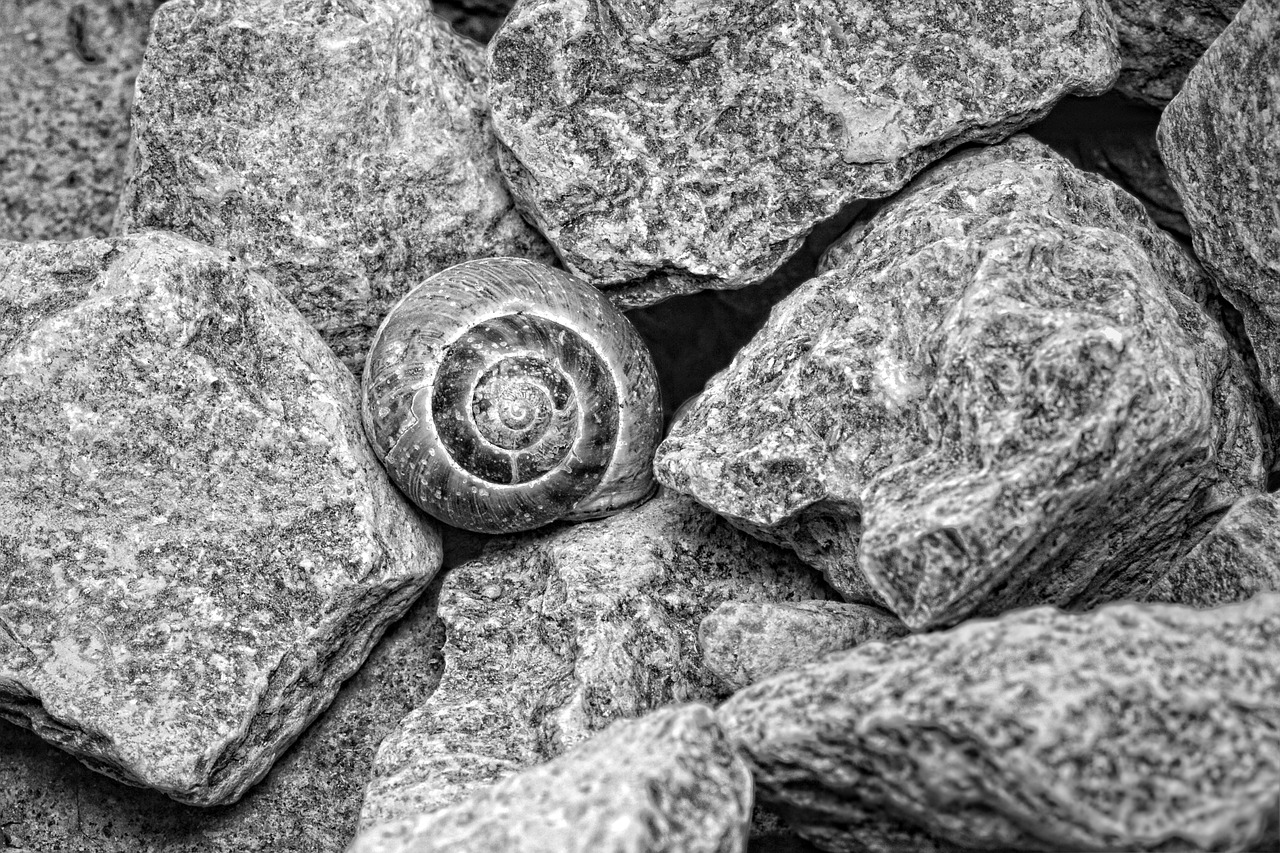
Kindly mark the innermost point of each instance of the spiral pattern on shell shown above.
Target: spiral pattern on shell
(502, 395)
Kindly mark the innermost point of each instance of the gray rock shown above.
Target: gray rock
(666, 148)
(669, 781)
(1020, 403)
(1160, 41)
(552, 636)
(1134, 727)
(1221, 140)
(342, 148)
(475, 19)
(745, 642)
(200, 545)
(66, 83)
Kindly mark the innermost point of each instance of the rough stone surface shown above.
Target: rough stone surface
(1134, 727)
(665, 148)
(200, 545)
(66, 83)
(1221, 140)
(669, 781)
(745, 642)
(343, 148)
(475, 19)
(1238, 559)
(552, 636)
(1020, 401)
(1160, 41)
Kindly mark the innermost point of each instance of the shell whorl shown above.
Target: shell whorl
(502, 395)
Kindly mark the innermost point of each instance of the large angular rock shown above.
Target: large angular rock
(665, 148)
(66, 84)
(1221, 140)
(1134, 727)
(669, 781)
(200, 545)
(553, 636)
(1020, 400)
(1160, 41)
(342, 148)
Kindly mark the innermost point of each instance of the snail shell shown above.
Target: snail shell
(502, 395)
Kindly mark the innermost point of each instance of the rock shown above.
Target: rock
(475, 19)
(669, 781)
(1134, 727)
(66, 83)
(342, 148)
(1160, 40)
(745, 642)
(1020, 402)
(1221, 140)
(552, 636)
(201, 546)
(1237, 560)
(670, 148)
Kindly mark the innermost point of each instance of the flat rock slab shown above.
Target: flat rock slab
(553, 636)
(201, 545)
(1134, 727)
(1020, 401)
(342, 148)
(1221, 140)
(669, 781)
(1160, 41)
(66, 85)
(666, 148)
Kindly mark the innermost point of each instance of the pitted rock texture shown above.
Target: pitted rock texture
(666, 148)
(1020, 403)
(67, 70)
(669, 781)
(1221, 140)
(342, 148)
(1160, 41)
(552, 636)
(1134, 727)
(200, 544)
(1238, 559)
(745, 642)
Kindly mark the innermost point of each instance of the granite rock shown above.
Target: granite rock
(1221, 140)
(745, 642)
(66, 83)
(667, 148)
(1160, 41)
(552, 636)
(669, 781)
(201, 546)
(1021, 402)
(1133, 727)
(342, 148)
(475, 19)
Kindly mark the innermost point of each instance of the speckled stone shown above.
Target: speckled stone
(1133, 727)
(669, 781)
(1160, 41)
(667, 148)
(1221, 140)
(1021, 402)
(553, 636)
(744, 642)
(201, 546)
(66, 83)
(343, 148)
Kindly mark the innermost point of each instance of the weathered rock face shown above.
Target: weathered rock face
(200, 545)
(342, 148)
(1221, 140)
(1160, 41)
(476, 19)
(665, 148)
(66, 84)
(669, 781)
(745, 642)
(1134, 727)
(1020, 402)
(553, 636)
